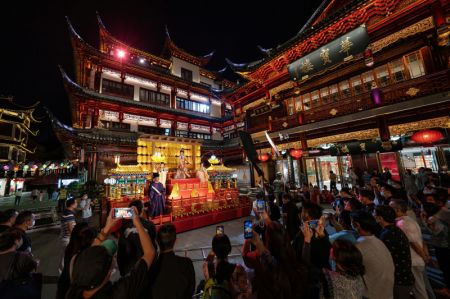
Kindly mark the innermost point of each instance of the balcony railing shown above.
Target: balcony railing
(395, 93)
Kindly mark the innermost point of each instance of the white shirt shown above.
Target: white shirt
(414, 234)
(377, 260)
(85, 206)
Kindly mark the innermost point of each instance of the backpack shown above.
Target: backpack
(216, 290)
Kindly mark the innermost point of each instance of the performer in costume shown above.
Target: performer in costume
(162, 173)
(182, 171)
(157, 197)
(202, 174)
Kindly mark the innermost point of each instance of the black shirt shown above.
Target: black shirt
(15, 265)
(26, 245)
(129, 286)
(292, 221)
(320, 250)
(172, 277)
(129, 246)
(398, 245)
(4, 228)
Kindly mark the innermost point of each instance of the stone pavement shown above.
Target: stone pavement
(46, 248)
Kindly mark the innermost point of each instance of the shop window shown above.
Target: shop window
(415, 64)
(383, 77)
(324, 94)
(306, 101)
(334, 93)
(153, 130)
(397, 70)
(315, 98)
(344, 86)
(368, 78)
(356, 85)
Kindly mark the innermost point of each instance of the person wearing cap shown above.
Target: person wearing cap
(157, 197)
(92, 268)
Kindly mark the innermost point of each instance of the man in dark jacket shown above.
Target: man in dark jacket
(172, 276)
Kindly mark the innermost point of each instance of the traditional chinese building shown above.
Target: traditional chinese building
(120, 92)
(351, 88)
(15, 126)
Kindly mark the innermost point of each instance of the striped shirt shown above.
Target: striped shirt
(67, 218)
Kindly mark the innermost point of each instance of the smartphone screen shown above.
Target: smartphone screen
(313, 223)
(220, 230)
(248, 229)
(126, 213)
(260, 205)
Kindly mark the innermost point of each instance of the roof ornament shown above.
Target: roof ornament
(264, 51)
(167, 32)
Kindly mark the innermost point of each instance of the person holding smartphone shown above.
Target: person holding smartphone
(311, 215)
(92, 268)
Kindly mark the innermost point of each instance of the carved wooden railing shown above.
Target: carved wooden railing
(395, 93)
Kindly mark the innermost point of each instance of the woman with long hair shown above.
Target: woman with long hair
(81, 238)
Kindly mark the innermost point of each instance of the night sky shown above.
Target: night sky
(35, 38)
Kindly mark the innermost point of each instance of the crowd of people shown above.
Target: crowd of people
(374, 241)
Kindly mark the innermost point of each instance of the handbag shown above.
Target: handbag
(25, 288)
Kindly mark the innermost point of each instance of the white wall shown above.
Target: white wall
(209, 81)
(177, 64)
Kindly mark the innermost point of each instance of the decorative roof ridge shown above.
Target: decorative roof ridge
(74, 34)
(315, 14)
(300, 36)
(171, 47)
(19, 108)
(104, 30)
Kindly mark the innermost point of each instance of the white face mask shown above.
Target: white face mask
(382, 193)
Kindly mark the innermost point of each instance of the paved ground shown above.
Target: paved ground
(46, 249)
(26, 202)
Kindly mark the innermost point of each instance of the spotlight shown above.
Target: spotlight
(121, 53)
(141, 60)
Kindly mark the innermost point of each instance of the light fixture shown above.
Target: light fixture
(213, 160)
(120, 53)
(395, 138)
(326, 145)
(141, 60)
(117, 159)
(157, 157)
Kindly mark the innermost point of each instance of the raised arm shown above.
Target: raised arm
(146, 243)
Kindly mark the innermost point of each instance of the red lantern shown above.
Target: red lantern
(296, 153)
(427, 136)
(263, 157)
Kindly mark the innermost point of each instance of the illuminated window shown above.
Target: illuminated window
(383, 77)
(397, 70)
(324, 94)
(290, 106)
(344, 86)
(334, 93)
(306, 101)
(315, 98)
(415, 64)
(298, 103)
(191, 105)
(356, 85)
(368, 78)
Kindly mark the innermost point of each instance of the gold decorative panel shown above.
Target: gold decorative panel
(418, 27)
(439, 122)
(358, 135)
